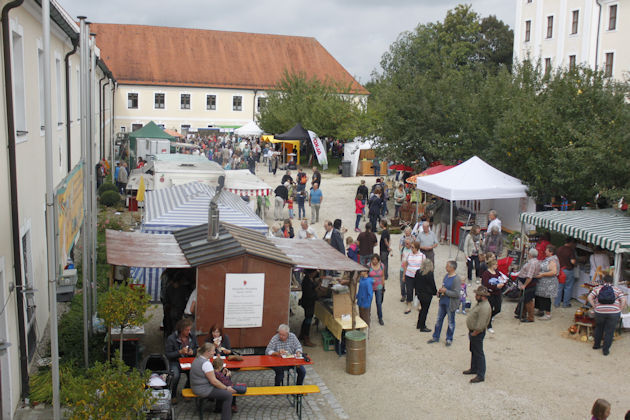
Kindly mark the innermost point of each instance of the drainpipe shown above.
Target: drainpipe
(75, 44)
(15, 217)
(111, 131)
(254, 107)
(599, 24)
(101, 120)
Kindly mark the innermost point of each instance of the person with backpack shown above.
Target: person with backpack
(607, 302)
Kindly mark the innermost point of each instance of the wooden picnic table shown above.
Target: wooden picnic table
(253, 362)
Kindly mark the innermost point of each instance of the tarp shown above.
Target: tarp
(242, 182)
(473, 180)
(249, 129)
(151, 131)
(352, 150)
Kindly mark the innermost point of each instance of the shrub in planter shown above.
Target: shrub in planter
(107, 186)
(110, 198)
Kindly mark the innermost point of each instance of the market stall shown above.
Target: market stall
(150, 140)
(249, 129)
(360, 153)
(242, 182)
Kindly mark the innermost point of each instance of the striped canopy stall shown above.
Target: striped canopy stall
(607, 228)
(181, 206)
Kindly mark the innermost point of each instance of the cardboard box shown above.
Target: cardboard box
(342, 305)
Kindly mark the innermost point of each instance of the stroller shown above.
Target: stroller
(159, 383)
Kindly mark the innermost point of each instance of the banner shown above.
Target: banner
(244, 298)
(320, 150)
(69, 210)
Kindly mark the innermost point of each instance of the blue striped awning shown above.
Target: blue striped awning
(607, 228)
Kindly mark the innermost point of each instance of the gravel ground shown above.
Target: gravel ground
(533, 370)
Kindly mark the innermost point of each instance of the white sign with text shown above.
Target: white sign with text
(244, 298)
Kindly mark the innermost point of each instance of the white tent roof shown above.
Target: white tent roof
(249, 129)
(243, 182)
(472, 180)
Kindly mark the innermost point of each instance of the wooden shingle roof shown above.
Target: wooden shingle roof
(163, 56)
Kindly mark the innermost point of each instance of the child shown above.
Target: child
(364, 296)
(290, 205)
(225, 377)
(359, 205)
(600, 410)
(462, 298)
(353, 250)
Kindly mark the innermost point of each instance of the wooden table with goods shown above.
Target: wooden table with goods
(337, 325)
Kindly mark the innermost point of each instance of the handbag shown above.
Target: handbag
(562, 277)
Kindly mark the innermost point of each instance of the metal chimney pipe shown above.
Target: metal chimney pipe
(213, 212)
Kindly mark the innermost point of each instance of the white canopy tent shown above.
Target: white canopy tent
(472, 180)
(351, 152)
(249, 129)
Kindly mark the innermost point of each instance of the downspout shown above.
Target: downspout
(75, 45)
(15, 217)
(599, 24)
(101, 120)
(111, 130)
(254, 106)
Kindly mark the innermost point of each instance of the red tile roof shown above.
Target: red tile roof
(157, 55)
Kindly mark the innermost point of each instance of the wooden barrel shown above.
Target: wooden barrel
(355, 352)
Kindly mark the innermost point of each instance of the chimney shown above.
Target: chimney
(213, 212)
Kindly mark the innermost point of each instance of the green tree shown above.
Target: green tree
(124, 306)
(328, 107)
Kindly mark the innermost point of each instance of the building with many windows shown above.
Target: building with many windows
(190, 78)
(565, 33)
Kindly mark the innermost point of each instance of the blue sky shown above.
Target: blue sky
(355, 32)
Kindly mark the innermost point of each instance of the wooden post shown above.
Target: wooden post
(353, 296)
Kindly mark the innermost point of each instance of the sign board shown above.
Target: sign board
(244, 298)
(69, 211)
(320, 150)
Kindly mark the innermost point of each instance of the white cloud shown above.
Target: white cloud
(355, 32)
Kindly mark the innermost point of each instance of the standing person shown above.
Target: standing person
(359, 205)
(477, 321)
(399, 199)
(541, 245)
(285, 343)
(425, 290)
(290, 202)
(282, 195)
(494, 221)
(123, 177)
(472, 248)
(449, 301)
(116, 171)
(428, 241)
(407, 234)
(385, 247)
(205, 384)
(374, 206)
(315, 201)
(317, 177)
(363, 190)
(440, 214)
(181, 343)
(527, 283)
(286, 178)
(405, 250)
(607, 301)
(301, 199)
(377, 270)
(547, 283)
(567, 257)
(301, 179)
(494, 242)
(366, 241)
(490, 279)
(412, 264)
(310, 283)
(364, 296)
(333, 237)
(376, 164)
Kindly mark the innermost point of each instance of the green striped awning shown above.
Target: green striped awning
(608, 228)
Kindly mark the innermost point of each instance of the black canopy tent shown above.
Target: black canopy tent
(296, 133)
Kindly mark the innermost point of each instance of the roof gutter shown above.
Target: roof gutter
(75, 45)
(101, 120)
(15, 217)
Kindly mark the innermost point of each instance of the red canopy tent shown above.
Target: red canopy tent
(429, 171)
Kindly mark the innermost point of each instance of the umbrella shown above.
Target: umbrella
(429, 171)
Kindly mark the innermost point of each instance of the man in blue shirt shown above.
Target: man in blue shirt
(315, 201)
(364, 296)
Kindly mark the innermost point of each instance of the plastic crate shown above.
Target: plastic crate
(328, 341)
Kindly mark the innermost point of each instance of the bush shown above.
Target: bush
(71, 336)
(110, 198)
(107, 186)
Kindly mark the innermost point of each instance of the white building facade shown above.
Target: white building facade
(565, 33)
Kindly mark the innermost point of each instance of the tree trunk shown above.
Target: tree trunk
(120, 348)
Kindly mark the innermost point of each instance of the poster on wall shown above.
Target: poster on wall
(244, 298)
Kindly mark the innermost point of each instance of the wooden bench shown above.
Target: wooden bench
(294, 390)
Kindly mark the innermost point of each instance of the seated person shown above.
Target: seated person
(224, 376)
(181, 343)
(220, 340)
(205, 384)
(285, 343)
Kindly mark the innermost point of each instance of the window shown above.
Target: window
(27, 276)
(529, 1)
(159, 101)
(547, 65)
(608, 69)
(123, 129)
(211, 102)
(135, 127)
(612, 17)
(184, 128)
(59, 91)
(237, 103)
(261, 102)
(132, 101)
(184, 101)
(574, 22)
(19, 89)
(549, 26)
(528, 30)
(572, 62)
(40, 65)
